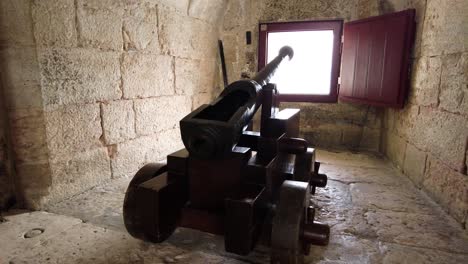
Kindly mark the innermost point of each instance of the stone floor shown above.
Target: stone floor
(375, 213)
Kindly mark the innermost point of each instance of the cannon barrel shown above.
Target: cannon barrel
(212, 130)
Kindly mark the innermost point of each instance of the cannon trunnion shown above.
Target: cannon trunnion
(247, 186)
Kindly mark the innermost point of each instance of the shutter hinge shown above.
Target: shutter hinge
(339, 80)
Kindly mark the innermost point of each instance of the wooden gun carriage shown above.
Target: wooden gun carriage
(233, 182)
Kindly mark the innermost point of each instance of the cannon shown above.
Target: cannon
(247, 186)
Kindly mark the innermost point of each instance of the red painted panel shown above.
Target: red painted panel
(375, 59)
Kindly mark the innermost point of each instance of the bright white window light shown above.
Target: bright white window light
(309, 72)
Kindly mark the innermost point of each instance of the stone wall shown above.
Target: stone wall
(428, 139)
(340, 125)
(7, 196)
(95, 89)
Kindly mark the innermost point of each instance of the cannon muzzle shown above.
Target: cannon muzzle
(212, 130)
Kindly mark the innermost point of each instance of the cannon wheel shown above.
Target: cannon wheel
(286, 237)
(134, 220)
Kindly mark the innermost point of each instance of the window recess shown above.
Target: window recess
(374, 55)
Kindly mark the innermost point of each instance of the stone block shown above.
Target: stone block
(392, 198)
(79, 76)
(20, 222)
(13, 33)
(72, 129)
(425, 81)
(131, 155)
(146, 75)
(33, 180)
(352, 136)
(100, 28)
(454, 83)
(371, 139)
(395, 149)
(157, 114)
(406, 120)
(342, 112)
(78, 172)
(140, 29)
(194, 76)
(179, 5)
(441, 133)
(236, 14)
(389, 119)
(187, 76)
(324, 135)
(21, 78)
(28, 136)
(448, 187)
(208, 10)
(54, 23)
(118, 120)
(433, 230)
(415, 164)
(186, 37)
(445, 28)
(201, 99)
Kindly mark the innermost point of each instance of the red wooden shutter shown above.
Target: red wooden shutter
(376, 58)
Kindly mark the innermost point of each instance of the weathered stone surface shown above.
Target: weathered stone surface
(396, 148)
(76, 173)
(401, 198)
(345, 249)
(186, 37)
(195, 76)
(130, 156)
(360, 138)
(100, 28)
(379, 173)
(406, 121)
(238, 14)
(118, 120)
(21, 78)
(72, 129)
(415, 164)
(448, 187)
(28, 136)
(345, 158)
(101, 206)
(397, 254)
(359, 235)
(435, 231)
(445, 28)
(34, 181)
(187, 76)
(157, 114)
(324, 135)
(54, 23)
(201, 99)
(87, 243)
(79, 76)
(179, 5)
(140, 29)
(454, 82)
(441, 133)
(7, 194)
(12, 34)
(146, 75)
(207, 10)
(425, 81)
(19, 222)
(298, 9)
